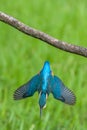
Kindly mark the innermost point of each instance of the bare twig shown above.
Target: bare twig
(42, 36)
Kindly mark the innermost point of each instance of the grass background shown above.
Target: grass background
(21, 57)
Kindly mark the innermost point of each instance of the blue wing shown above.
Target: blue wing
(61, 92)
(27, 89)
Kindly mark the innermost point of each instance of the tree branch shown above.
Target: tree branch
(42, 36)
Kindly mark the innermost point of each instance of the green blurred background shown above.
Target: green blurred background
(22, 56)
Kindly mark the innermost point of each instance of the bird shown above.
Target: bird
(45, 82)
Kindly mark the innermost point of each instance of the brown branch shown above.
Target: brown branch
(42, 36)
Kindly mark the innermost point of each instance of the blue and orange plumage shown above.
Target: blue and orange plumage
(45, 83)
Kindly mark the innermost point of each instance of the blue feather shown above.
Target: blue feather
(27, 89)
(61, 92)
(42, 101)
(45, 83)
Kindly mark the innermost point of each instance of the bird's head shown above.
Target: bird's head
(42, 101)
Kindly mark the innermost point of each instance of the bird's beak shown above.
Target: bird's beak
(40, 112)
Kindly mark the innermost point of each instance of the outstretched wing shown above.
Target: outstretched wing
(61, 92)
(27, 89)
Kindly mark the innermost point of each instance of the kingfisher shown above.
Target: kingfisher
(45, 83)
